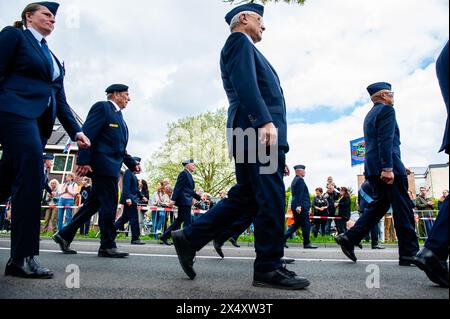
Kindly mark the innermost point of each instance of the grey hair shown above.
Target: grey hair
(236, 19)
(109, 96)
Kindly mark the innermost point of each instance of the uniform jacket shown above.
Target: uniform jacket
(253, 88)
(300, 195)
(183, 192)
(108, 133)
(442, 70)
(382, 138)
(26, 85)
(130, 188)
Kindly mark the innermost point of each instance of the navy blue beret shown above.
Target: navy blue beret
(376, 87)
(300, 167)
(189, 161)
(52, 6)
(48, 157)
(117, 88)
(259, 9)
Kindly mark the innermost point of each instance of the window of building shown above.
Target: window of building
(62, 164)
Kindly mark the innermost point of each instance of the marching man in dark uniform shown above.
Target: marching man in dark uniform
(129, 199)
(108, 132)
(301, 205)
(182, 197)
(387, 177)
(31, 97)
(48, 164)
(432, 259)
(256, 105)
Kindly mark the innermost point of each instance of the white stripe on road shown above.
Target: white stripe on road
(218, 258)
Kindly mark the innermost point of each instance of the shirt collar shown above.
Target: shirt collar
(115, 106)
(36, 34)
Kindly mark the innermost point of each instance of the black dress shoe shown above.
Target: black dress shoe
(286, 246)
(234, 243)
(435, 268)
(27, 268)
(218, 248)
(309, 246)
(186, 253)
(280, 279)
(378, 247)
(63, 244)
(407, 261)
(137, 242)
(347, 246)
(112, 253)
(164, 241)
(287, 261)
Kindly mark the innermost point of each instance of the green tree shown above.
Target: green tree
(202, 138)
(301, 2)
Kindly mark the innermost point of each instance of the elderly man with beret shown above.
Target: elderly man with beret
(106, 128)
(257, 106)
(387, 177)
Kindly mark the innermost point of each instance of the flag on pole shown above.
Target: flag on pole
(358, 151)
(67, 147)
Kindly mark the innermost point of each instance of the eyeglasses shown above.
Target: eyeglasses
(390, 94)
(258, 18)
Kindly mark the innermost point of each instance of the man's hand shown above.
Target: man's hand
(388, 177)
(268, 134)
(83, 141)
(298, 210)
(138, 169)
(287, 172)
(408, 171)
(171, 204)
(129, 202)
(83, 170)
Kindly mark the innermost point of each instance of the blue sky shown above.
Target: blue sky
(325, 52)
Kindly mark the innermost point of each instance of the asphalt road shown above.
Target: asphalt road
(153, 272)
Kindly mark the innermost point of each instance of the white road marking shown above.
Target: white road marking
(227, 258)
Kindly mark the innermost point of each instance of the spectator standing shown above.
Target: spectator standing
(85, 192)
(67, 193)
(161, 201)
(331, 196)
(442, 199)
(389, 230)
(320, 208)
(343, 208)
(144, 196)
(51, 214)
(425, 207)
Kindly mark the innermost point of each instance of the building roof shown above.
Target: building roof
(59, 137)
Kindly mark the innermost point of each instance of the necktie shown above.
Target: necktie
(48, 55)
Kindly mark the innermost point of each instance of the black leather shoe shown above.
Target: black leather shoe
(27, 268)
(406, 261)
(287, 261)
(112, 253)
(435, 268)
(309, 246)
(347, 247)
(63, 244)
(218, 248)
(186, 253)
(378, 247)
(280, 279)
(137, 242)
(286, 246)
(164, 241)
(234, 243)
